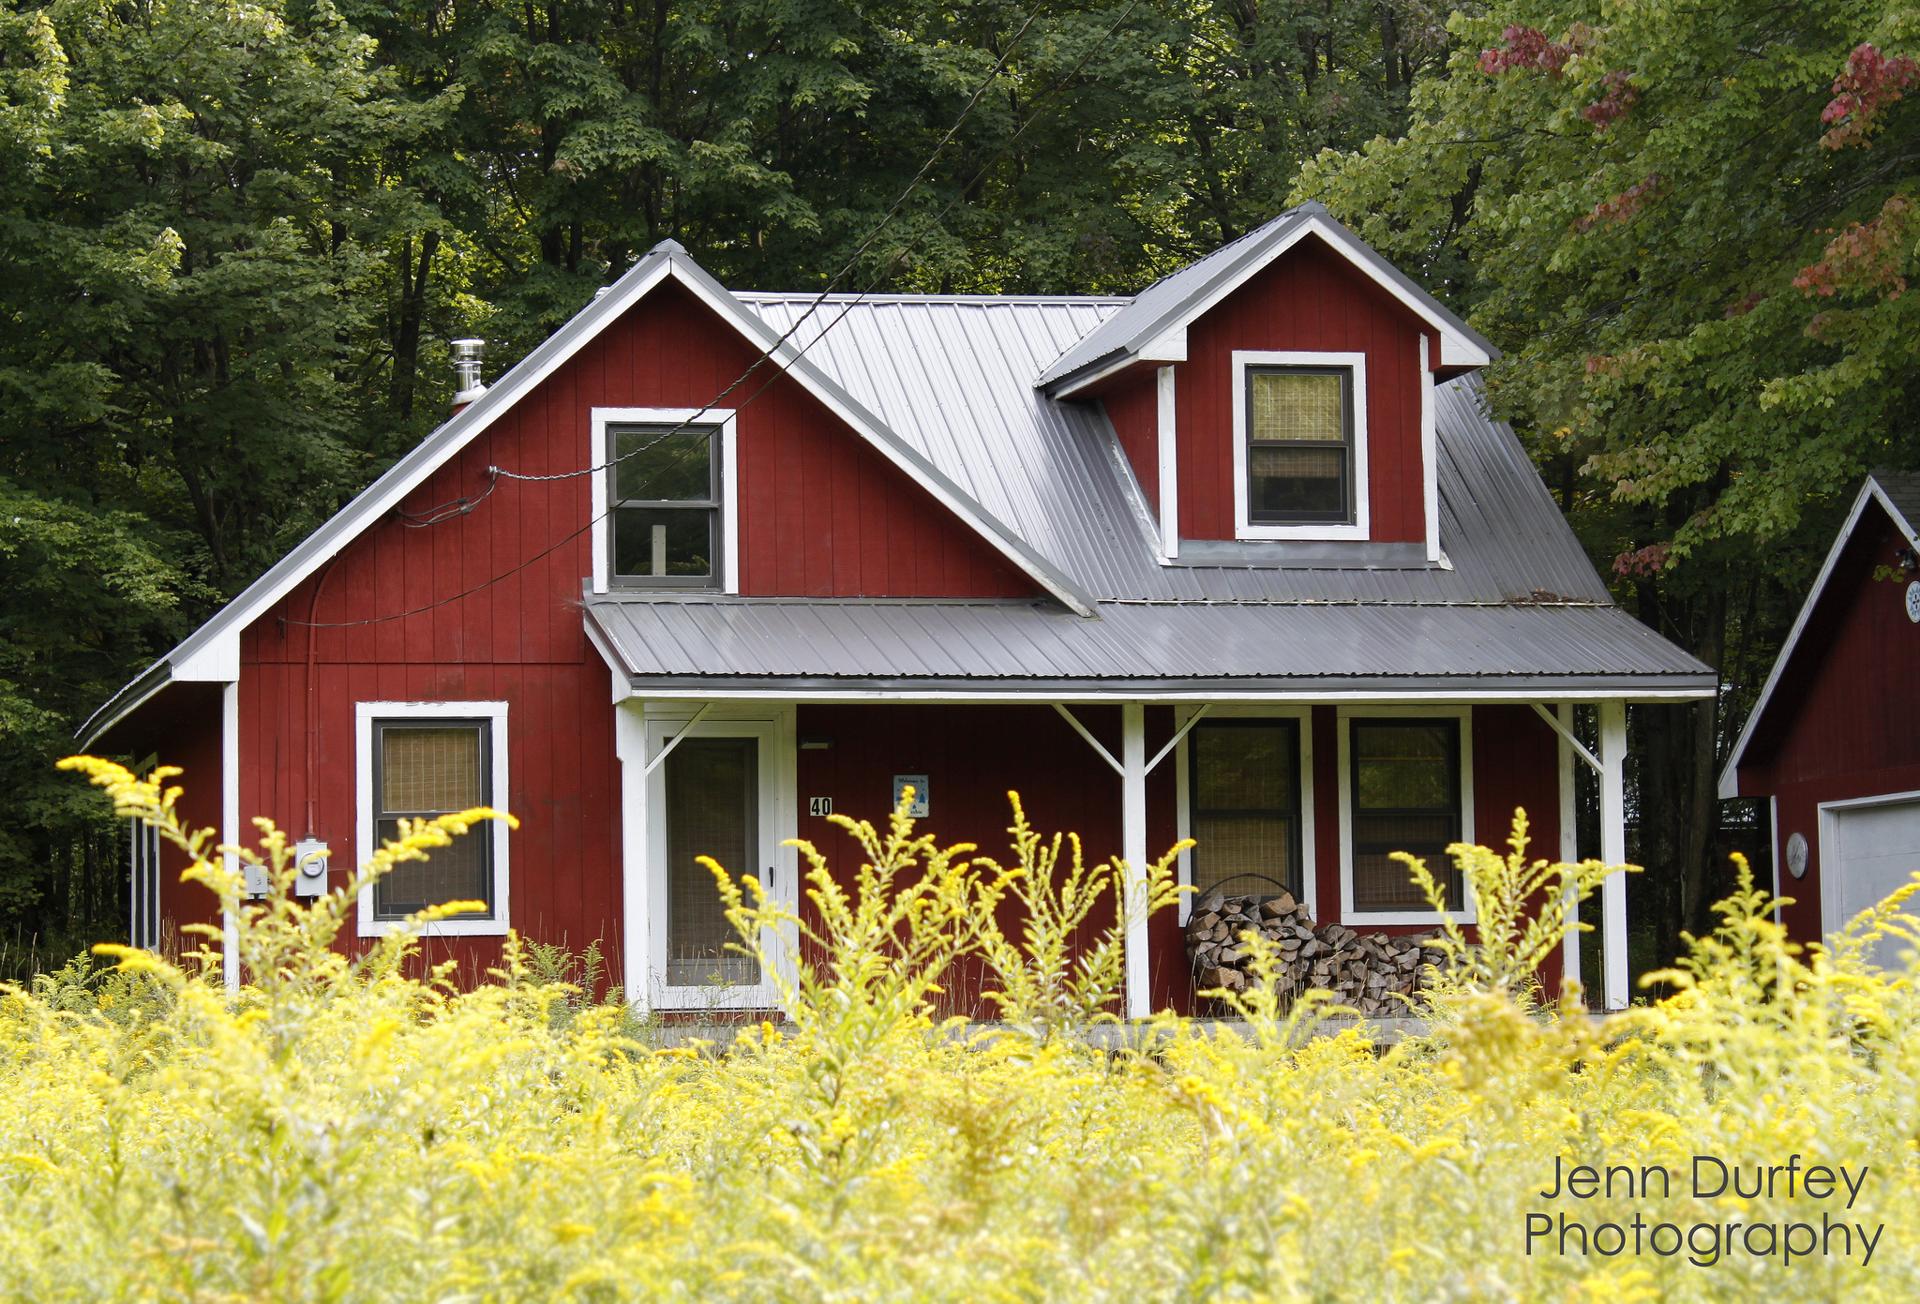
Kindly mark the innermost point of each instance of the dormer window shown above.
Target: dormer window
(1300, 445)
(665, 502)
(666, 499)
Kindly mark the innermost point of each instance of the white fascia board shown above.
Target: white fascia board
(1869, 492)
(215, 661)
(1171, 347)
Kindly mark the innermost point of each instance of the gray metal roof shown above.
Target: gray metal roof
(950, 377)
(1902, 491)
(1162, 305)
(922, 644)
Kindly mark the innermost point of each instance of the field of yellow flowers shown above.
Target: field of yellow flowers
(339, 1130)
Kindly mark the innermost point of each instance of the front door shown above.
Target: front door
(716, 793)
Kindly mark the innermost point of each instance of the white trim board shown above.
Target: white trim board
(495, 713)
(1469, 914)
(1869, 492)
(719, 420)
(1243, 361)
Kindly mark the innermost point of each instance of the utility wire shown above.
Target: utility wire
(852, 301)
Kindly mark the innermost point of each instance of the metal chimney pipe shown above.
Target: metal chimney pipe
(467, 355)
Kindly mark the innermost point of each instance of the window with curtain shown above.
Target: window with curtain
(1299, 445)
(1405, 796)
(1244, 804)
(664, 504)
(424, 768)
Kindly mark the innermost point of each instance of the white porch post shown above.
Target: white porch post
(1133, 849)
(630, 745)
(1569, 845)
(1613, 848)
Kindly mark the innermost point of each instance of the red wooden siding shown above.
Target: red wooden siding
(972, 756)
(1307, 299)
(1844, 720)
(822, 514)
(180, 727)
(1133, 406)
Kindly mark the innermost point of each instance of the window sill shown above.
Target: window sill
(442, 928)
(1362, 918)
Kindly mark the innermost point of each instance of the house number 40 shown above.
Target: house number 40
(818, 806)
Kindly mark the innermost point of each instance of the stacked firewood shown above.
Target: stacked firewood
(1366, 971)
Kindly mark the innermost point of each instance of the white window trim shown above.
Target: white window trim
(495, 713)
(1469, 913)
(1243, 528)
(1183, 794)
(655, 724)
(719, 419)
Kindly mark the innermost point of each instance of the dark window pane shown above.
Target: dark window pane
(1406, 797)
(1245, 801)
(667, 467)
(712, 804)
(664, 542)
(1290, 482)
(1243, 767)
(458, 872)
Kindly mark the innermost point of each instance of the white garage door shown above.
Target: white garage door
(1866, 851)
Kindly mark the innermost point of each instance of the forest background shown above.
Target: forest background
(235, 239)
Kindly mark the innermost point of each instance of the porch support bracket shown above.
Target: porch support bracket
(1092, 742)
(1566, 734)
(666, 748)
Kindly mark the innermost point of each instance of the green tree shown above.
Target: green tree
(1690, 226)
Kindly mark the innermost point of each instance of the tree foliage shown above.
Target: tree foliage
(1691, 226)
(236, 234)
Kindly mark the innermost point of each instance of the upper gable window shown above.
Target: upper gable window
(1300, 445)
(665, 503)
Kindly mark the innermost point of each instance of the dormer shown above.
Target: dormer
(1275, 398)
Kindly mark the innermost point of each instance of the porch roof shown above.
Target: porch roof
(988, 647)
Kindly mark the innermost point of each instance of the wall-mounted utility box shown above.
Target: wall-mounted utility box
(310, 863)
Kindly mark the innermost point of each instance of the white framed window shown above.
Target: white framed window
(666, 503)
(417, 760)
(1300, 445)
(1406, 784)
(1244, 793)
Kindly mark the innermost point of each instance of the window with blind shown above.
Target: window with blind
(1244, 804)
(423, 768)
(1404, 789)
(1299, 445)
(664, 504)
(712, 809)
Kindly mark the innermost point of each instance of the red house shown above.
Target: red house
(1241, 557)
(1833, 743)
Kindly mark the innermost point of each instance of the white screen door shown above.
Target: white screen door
(717, 794)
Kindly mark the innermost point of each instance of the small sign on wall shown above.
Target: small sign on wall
(819, 806)
(922, 797)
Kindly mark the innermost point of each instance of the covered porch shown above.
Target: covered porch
(1305, 794)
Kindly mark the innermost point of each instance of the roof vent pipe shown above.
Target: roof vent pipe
(466, 371)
